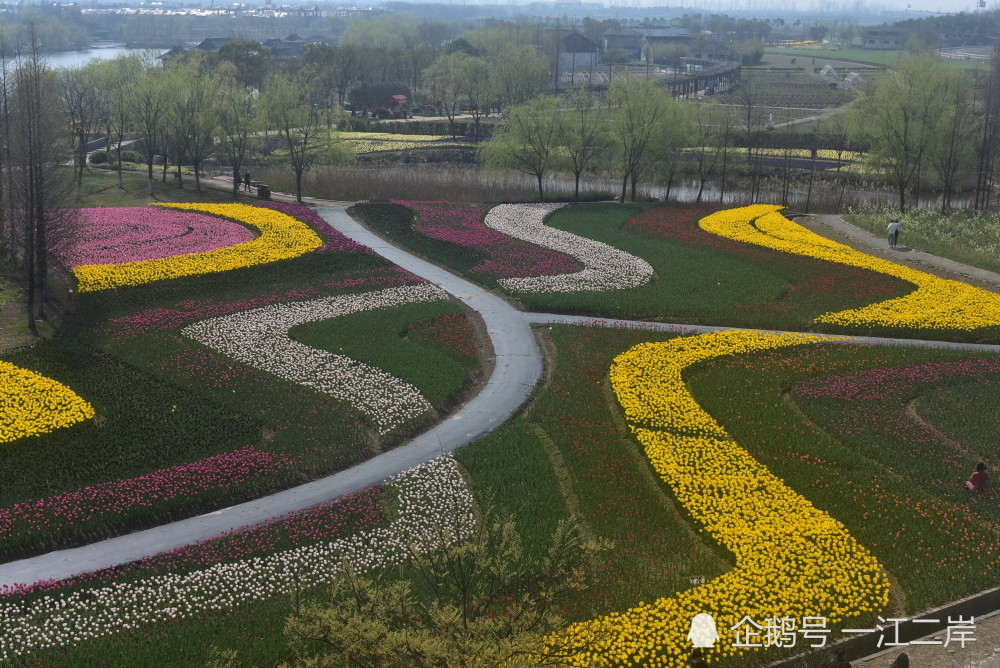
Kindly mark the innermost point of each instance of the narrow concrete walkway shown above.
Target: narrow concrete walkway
(590, 321)
(834, 227)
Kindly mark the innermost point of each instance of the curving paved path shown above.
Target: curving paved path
(834, 227)
(518, 366)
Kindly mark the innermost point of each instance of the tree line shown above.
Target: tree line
(923, 126)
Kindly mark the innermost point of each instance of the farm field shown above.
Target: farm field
(740, 472)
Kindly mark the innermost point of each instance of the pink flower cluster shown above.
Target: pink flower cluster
(129, 234)
(509, 257)
(121, 496)
(332, 239)
(189, 311)
(324, 522)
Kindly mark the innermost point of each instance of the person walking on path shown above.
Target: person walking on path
(980, 479)
(246, 180)
(893, 231)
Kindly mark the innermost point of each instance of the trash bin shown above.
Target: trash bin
(263, 191)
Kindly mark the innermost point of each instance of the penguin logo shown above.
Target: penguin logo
(703, 633)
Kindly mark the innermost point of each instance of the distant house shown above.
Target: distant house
(289, 47)
(212, 44)
(172, 53)
(626, 42)
(883, 39)
(654, 39)
(576, 52)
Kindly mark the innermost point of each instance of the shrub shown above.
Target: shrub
(129, 155)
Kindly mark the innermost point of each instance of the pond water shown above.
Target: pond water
(99, 51)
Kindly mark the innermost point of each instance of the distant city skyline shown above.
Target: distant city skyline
(764, 8)
(861, 6)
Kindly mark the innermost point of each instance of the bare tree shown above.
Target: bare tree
(638, 108)
(526, 141)
(117, 80)
(149, 109)
(238, 120)
(193, 117)
(898, 116)
(35, 179)
(582, 135)
(80, 95)
(989, 141)
(297, 120)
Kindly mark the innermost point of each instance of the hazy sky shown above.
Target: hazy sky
(859, 7)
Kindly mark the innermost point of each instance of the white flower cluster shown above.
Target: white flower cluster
(259, 338)
(604, 267)
(434, 505)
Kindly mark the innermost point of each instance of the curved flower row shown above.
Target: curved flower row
(122, 496)
(605, 267)
(431, 497)
(792, 560)
(370, 142)
(31, 404)
(936, 304)
(333, 240)
(259, 338)
(189, 311)
(281, 237)
(344, 515)
(508, 257)
(135, 233)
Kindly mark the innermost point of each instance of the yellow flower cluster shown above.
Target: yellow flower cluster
(937, 303)
(821, 154)
(281, 237)
(371, 142)
(792, 560)
(31, 404)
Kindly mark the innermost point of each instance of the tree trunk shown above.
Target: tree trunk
(541, 194)
(118, 157)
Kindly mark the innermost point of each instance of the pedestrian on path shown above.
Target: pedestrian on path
(246, 180)
(893, 232)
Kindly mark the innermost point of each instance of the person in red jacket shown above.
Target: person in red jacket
(980, 479)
